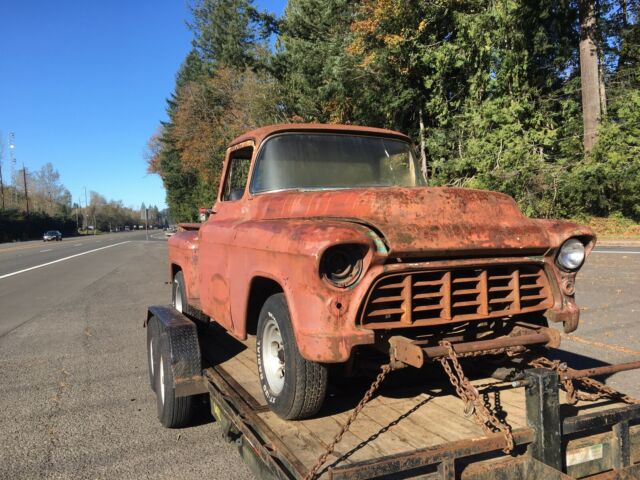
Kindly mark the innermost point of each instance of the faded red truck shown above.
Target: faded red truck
(325, 242)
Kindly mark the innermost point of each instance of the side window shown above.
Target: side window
(237, 174)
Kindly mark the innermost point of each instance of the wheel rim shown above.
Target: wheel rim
(273, 360)
(177, 301)
(161, 368)
(151, 356)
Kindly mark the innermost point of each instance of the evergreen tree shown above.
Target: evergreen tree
(224, 34)
(490, 92)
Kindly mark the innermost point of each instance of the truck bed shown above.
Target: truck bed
(412, 410)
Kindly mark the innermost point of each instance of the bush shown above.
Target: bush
(15, 225)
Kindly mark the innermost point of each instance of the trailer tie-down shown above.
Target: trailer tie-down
(448, 354)
(465, 390)
(471, 397)
(385, 369)
(568, 377)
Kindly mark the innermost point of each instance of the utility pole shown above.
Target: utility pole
(86, 208)
(589, 74)
(26, 193)
(1, 184)
(12, 162)
(146, 222)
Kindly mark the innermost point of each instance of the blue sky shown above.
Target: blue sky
(83, 85)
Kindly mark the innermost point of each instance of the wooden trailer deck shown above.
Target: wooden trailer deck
(412, 410)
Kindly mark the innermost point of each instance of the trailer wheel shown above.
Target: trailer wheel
(173, 412)
(153, 330)
(178, 293)
(293, 387)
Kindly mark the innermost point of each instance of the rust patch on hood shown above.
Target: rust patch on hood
(421, 220)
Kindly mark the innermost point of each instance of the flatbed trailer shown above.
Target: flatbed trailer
(414, 427)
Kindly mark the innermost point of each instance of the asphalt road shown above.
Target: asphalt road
(74, 396)
(608, 292)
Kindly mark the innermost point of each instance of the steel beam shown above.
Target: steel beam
(593, 421)
(543, 414)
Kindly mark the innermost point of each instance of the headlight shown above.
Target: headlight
(571, 254)
(342, 265)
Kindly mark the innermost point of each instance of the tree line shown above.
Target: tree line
(539, 99)
(34, 202)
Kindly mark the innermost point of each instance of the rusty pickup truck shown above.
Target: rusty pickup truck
(326, 241)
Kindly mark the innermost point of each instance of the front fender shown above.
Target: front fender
(559, 231)
(289, 252)
(302, 237)
(565, 309)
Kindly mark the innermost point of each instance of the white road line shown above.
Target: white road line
(60, 260)
(77, 245)
(617, 251)
(47, 250)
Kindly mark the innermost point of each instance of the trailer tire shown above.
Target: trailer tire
(178, 293)
(153, 337)
(173, 411)
(294, 387)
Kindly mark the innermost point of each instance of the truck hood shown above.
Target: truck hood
(419, 221)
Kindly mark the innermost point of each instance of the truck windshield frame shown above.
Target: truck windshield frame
(331, 161)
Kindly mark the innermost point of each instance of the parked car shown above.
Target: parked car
(52, 235)
(326, 241)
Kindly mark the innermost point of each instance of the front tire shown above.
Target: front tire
(293, 387)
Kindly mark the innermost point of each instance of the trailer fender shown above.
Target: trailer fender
(180, 336)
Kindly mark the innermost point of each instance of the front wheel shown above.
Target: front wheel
(294, 387)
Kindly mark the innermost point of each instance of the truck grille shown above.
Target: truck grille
(455, 295)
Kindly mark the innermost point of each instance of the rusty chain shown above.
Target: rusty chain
(474, 405)
(509, 351)
(599, 389)
(467, 393)
(345, 428)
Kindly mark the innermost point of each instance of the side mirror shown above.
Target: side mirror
(204, 214)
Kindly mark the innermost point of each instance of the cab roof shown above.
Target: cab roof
(259, 134)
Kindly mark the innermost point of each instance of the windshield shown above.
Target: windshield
(51, 232)
(325, 161)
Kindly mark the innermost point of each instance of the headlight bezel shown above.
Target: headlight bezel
(342, 266)
(568, 248)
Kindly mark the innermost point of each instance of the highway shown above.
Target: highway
(74, 396)
(607, 291)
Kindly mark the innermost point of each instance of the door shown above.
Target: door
(217, 234)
